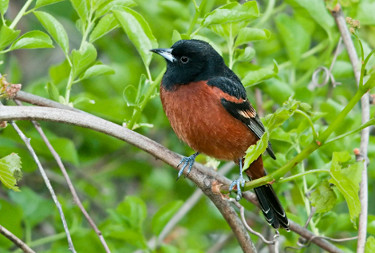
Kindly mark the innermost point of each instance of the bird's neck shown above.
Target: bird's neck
(172, 78)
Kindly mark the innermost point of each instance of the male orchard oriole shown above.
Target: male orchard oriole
(208, 109)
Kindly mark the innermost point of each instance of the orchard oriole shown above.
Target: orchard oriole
(208, 109)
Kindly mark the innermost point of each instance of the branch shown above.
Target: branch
(68, 181)
(242, 213)
(41, 101)
(203, 177)
(184, 209)
(17, 241)
(70, 185)
(204, 174)
(365, 106)
(46, 181)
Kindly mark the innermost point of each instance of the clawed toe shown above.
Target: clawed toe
(186, 162)
(239, 183)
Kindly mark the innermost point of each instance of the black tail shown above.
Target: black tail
(271, 207)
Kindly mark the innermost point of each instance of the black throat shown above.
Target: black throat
(201, 72)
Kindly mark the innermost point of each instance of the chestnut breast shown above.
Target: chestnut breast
(199, 119)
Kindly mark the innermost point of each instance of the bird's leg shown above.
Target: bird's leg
(185, 161)
(239, 182)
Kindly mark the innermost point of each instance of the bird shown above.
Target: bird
(208, 109)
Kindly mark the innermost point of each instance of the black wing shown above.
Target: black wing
(243, 110)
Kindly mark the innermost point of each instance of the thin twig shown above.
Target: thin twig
(140, 141)
(303, 232)
(48, 184)
(365, 106)
(312, 212)
(338, 239)
(17, 241)
(69, 182)
(46, 180)
(220, 243)
(184, 209)
(242, 213)
(328, 76)
(305, 244)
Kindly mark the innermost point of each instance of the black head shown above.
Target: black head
(190, 61)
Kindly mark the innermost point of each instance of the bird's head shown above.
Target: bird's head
(190, 61)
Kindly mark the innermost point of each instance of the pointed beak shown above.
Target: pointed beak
(165, 52)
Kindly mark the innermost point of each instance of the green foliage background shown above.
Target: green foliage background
(94, 56)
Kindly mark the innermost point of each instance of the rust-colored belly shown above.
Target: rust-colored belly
(199, 119)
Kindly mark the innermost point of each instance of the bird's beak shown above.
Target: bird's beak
(165, 52)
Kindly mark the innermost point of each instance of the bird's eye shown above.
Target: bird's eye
(184, 59)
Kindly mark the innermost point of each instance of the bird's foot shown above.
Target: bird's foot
(239, 182)
(186, 161)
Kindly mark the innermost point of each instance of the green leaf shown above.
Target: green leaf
(83, 58)
(53, 92)
(33, 39)
(98, 70)
(370, 245)
(256, 76)
(7, 36)
(10, 171)
(323, 198)
(370, 83)
(365, 12)
(134, 209)
(83, 100)
(176, 36)
(278, 90)
(32, 204)
(41, 3)
(109, 6)
(318, 11)
(82, 9)
(55, 29)
(248, 34)
(163, 215)
(104, 26)
(138, 31)
(254, 151)
(130, 95)
(295, 37)
(245, 55)
(3, 6)
(347, 179)
(12, 218)
(63, 146)
(233, 12)
(59, 72)
(127, 221)
(276, 119)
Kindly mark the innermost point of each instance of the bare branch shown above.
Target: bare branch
(293, 226)
(365, 105)
(242, 213)
(202, 176)
(70, 185)
(142, 142)
(17, 241)
(46, 180)
(41, 101)
(220, 243)
(184, 209)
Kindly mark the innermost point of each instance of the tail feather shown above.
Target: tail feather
(269, 203)
(271, 207)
